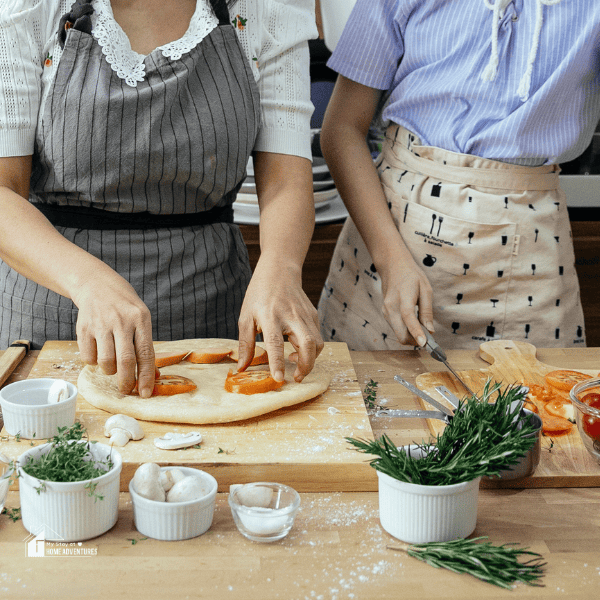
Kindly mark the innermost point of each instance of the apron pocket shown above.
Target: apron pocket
(439, 242)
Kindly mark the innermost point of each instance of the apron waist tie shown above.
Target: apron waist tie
(517, 178)
(83, 217)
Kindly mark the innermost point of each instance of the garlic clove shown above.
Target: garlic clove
(256, 496)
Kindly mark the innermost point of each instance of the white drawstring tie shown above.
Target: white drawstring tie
(498, 8)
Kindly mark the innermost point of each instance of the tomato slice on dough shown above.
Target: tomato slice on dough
(251, 382)
(168, 385)
(208, 356)
(260, 356)
(164, 359)
(564, 380)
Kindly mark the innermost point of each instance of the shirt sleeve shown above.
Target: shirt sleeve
(23, 32)
(371, 45)
(275, 37)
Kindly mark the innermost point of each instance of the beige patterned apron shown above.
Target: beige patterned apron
(493, 238)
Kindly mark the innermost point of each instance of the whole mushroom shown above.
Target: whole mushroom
(146, 482)
(188, 488)
(121, 428)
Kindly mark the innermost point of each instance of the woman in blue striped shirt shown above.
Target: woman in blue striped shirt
(460, 226)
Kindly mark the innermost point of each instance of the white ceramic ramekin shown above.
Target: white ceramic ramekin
(171, 521)
(418, 514)
(27, 413)
(66, 512)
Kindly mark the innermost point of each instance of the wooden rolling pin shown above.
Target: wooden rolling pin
(12, 357)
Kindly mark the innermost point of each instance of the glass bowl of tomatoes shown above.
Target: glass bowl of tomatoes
(585, 397)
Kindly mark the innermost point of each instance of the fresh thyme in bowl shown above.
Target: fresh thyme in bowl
(480, 440)
(498, 565)
(69, 459)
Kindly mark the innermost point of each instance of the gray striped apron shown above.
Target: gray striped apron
(144, 178)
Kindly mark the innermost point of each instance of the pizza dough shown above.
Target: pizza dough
(209, 403)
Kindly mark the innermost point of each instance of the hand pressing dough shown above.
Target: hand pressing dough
(209, 403)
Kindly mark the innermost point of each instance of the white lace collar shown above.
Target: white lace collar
(128, 64)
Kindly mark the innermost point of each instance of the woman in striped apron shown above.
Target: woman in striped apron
(460, 226)
(138, 172)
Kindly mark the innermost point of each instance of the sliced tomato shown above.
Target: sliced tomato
(539, 393)
(164, 359)
(564, 380)
(561, 408)
(260, 356)
(551, 424)
(251, 382)
(591, 425)
(208, 356)
(592, 399)
(169, 385)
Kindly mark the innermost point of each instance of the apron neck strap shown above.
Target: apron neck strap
(221, 11)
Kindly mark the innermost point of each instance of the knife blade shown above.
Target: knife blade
(424, 396)
(448, 395)
(438, 354)
(421, 414)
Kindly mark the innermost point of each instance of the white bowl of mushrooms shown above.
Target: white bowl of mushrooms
(172, 503)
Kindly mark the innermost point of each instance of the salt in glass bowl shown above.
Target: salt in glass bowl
(587, 417)
(264, 511)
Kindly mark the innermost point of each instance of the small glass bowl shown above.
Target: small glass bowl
(273, 519)
(587, 416)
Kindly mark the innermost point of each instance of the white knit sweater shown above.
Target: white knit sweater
(273, 37)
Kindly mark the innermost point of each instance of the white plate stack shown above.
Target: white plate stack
(328, 205)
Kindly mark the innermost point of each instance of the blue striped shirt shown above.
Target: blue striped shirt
(430, 55)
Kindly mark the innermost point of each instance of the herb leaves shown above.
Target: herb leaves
(69, 459)
(482, 439)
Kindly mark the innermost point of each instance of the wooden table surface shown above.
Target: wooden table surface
(337, 548)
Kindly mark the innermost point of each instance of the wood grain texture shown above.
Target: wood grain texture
(564, 462)
(337, 550)
(303, 446)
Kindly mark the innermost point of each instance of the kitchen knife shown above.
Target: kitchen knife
(424, 396)
(421, 414)
(438, 354)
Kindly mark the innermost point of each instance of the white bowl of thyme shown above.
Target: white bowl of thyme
(69, 487)
(428, 492)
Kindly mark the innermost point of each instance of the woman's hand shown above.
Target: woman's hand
(275, 304)
(407, 301)
(343, 140)
(113, 326)
(114, 331)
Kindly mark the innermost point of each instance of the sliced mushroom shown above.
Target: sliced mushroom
(147, 484)
(174, 441)
(57, 392)
(121, 428)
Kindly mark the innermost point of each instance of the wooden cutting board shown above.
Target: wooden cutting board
(564, 460)
(303, 446)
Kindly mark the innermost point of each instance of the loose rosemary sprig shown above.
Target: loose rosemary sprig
(69, 459)
(498, 565)
(371, 395)
(480, 440)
